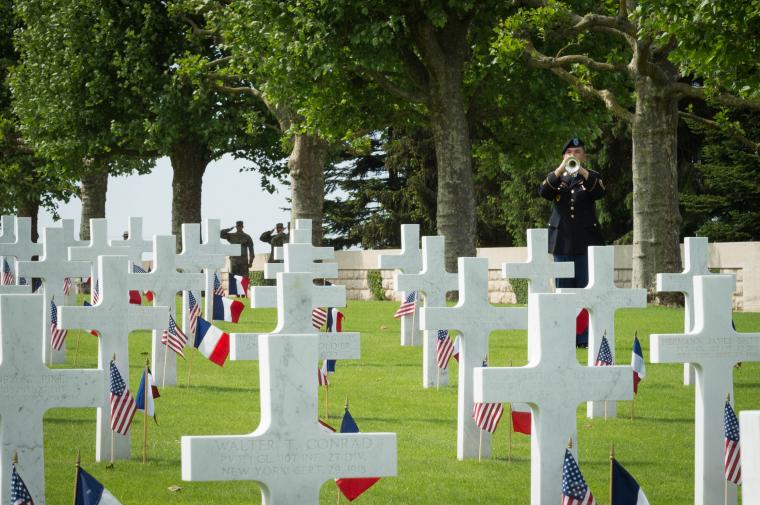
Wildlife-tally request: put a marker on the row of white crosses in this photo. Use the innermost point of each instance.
(290, 454)
(294, 312)
(408, 261)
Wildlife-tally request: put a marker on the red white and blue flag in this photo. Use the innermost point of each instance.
(575, 491)
(19, 493)
(444, 349)
(407, 306)
(66, 286)
(732, 453)
(455, 352)
(174, 338)
(625, 489)
(8, 278)
(637, 363)
(604, 358)
(91, 492)
(193, 312)
(353, 487)
(57, 335)
(521, 418)
(335, 320)
(123, 406)
(95, 295)
(212, 342)
(239, 285)
(218, 289)
(145, 394)
(322, 376)
(227, 310)
(318, 317)
(487, 415)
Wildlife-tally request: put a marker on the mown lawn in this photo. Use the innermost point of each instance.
(385, 393)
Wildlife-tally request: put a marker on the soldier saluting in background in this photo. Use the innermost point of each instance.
(239, 265)
(275, 238)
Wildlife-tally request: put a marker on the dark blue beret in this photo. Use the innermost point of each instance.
(573, 142)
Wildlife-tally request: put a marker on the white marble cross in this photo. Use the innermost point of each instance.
(54, 267)
(540, 268)
(602, 298)
(474, 318)
(15, 289)
(28, 389)
(70, 240)
(302, 235)
(17, 241)
(713, 347)
(749, 429)
(165, 282)
(294, 317)
(97, 246)
(289, 454)
(695, 263)
(553, 384)
(135, 244)
(114, 318)
(409, 261)
(434, 281)
(207, 256)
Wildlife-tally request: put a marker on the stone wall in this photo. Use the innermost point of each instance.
(739, 258)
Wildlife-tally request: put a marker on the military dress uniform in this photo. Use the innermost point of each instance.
(274, 240)
(239, 264)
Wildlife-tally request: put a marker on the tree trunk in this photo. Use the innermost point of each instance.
(31, 208)
(189, 160)
(656, 217)
(92, 192)
(307, 180)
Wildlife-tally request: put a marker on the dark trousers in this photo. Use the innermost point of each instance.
(579, 281)
(581, 271)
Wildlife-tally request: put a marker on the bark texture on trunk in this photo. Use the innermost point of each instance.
(189, 160)
(656, 217)
(31, 208)
(444, 52)
(307, 181)
(92, 192)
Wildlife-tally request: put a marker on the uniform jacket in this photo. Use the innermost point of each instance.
(246, 246)
(573, 225)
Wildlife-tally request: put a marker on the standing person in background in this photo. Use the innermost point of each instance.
(239, 265)
(573, 226)
(275, 238)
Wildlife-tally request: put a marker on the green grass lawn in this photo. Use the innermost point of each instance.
(385, 393)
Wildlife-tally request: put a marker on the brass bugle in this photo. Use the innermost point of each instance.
(572, 165)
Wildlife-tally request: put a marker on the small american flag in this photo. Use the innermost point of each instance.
(22, 281)
(487, 415)
(137, 269)
(408, 306)
(731, 432)
(19, 493)
(322, 376)
(174, 338)
(57, 336)
(574, 488)
(318, 317)
(95, 294)
(123, 406)
(67, 286)
(8, 278)
(444, 348)
(604, 358)
(193, 312)
(218, 289)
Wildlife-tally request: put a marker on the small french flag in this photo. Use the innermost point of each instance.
(212, 342)
(239, 285)
(521, 418)
(227, 310)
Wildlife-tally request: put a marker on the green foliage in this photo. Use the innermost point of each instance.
(375, 282)
(256, 278)
(725, 203)
(520, 289)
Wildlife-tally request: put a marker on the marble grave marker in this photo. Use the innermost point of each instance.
(289, 454)
(713, 347)
(540, 269)
(97, 246)
(434, 282)
(17, 242)
(114, 318)
(553, 383)
(409, 261)
(54, 267)
(602, 298)
(695, 263)
(28, 389)
(474, 318)
(165, 282)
